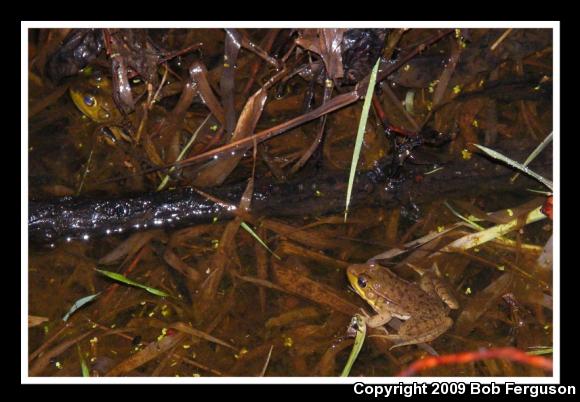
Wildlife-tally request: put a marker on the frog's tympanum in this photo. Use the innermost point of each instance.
(421, 305)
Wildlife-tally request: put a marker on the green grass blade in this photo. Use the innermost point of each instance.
(255, 236)
(535, 153)
(463, 218)
(182, 153)
(470, 221)
(358, 322)
(120, 278)
(360, 134)
(545, 350)
(79, 303)
(476, 239)
(517, 165)
(546, 193)
(84, 366)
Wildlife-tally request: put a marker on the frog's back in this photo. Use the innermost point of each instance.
(409, 298)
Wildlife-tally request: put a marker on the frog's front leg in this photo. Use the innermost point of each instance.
(379, 319)
(374, 322)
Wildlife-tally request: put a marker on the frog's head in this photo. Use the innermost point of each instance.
(92, 95)
(363, 278)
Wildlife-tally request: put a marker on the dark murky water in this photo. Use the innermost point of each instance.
(235, 308)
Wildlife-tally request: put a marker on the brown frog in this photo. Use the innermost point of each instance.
(421, 305)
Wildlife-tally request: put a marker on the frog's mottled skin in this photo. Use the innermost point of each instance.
(390, 296)
(93, 96)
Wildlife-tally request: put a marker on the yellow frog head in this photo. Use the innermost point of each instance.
(93, 97)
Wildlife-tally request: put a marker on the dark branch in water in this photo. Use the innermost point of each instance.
(310, 195)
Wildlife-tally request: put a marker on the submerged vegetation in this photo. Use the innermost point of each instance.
(187, 206)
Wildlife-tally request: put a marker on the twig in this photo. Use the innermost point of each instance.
(501, 39)
(509, 353)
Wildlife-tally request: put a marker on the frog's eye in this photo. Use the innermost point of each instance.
(362, 281)
(89, 100)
